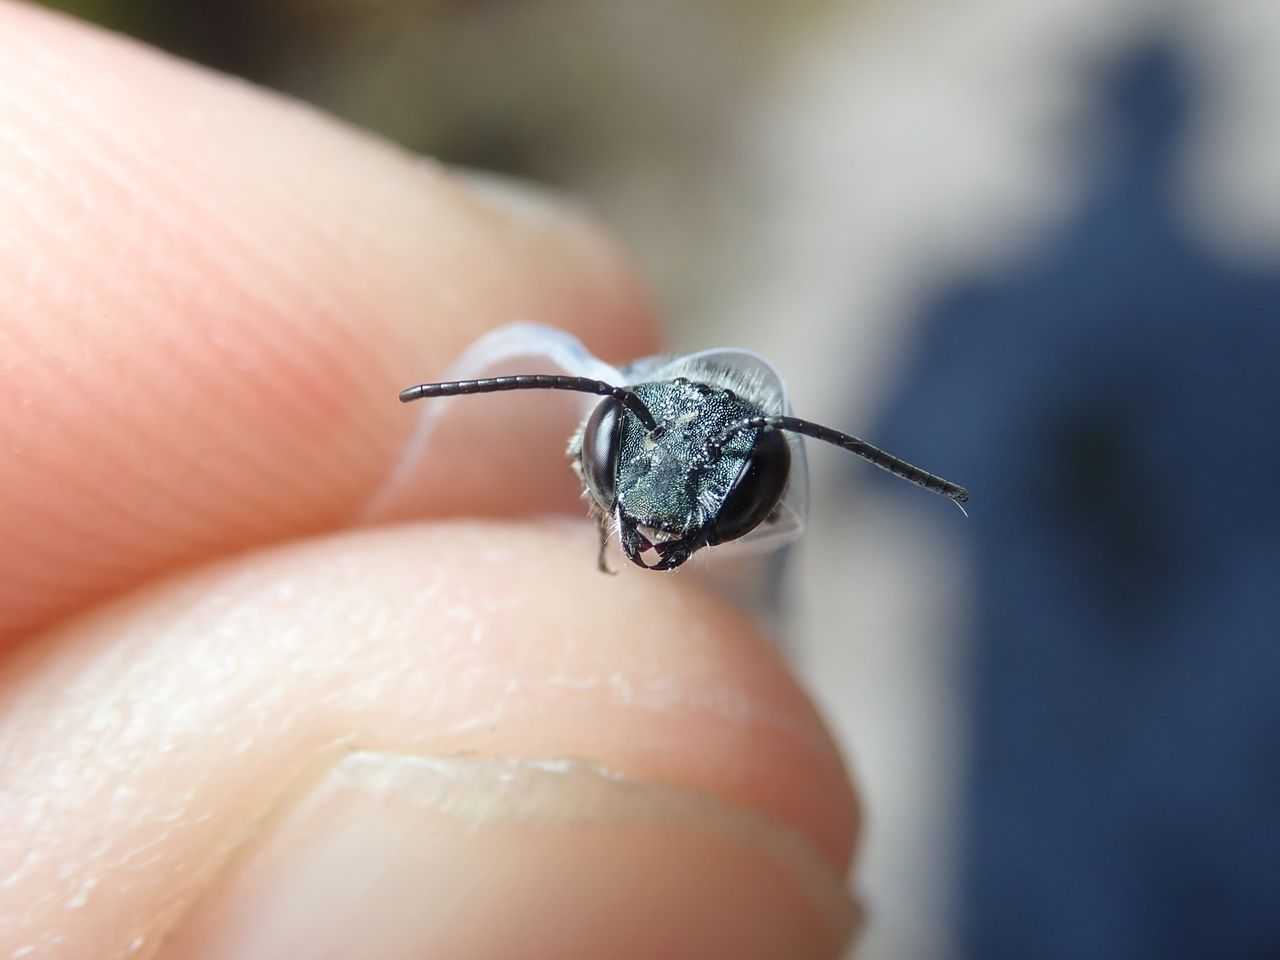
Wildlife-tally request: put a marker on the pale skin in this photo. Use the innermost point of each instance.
(209, 595)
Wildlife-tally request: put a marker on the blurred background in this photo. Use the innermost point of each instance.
(1034, 247)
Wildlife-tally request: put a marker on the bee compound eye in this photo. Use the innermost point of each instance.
(600, 442)
(757, 490)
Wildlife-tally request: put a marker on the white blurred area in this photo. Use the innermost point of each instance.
(901, 146)
(800, 180)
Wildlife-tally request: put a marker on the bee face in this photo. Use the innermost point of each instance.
(670, 489)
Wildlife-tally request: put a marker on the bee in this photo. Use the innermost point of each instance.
(680, 453)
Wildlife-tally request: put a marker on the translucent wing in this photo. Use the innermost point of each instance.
(753, 377)
(553, 351)
(535, 427)
(527, 348)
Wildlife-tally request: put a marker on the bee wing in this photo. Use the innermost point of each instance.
(754, 378)
(526, 348)
(551, 350)
(538, 426)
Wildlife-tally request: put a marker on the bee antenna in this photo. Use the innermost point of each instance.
(533, 381)
(872, 454)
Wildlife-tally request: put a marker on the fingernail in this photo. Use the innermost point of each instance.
(392, 857)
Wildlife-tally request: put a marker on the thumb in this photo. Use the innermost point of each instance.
(357, 747)
(394, 858)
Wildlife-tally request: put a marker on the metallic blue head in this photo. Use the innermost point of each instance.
(672, 489)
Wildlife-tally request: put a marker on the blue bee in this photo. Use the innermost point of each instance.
(682, 452)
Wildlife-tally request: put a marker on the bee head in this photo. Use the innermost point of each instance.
(673, 489)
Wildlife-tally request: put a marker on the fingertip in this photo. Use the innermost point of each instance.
(447, 641)
(214, 296)
(479, 857)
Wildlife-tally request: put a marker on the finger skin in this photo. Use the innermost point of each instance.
(137, 745)
(211, 297)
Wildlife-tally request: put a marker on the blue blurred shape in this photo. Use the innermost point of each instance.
(1113, 404)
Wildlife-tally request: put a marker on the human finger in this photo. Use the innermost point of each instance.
(357, 747)
(211, 297)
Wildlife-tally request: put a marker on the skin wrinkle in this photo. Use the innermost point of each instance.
(316, 392)
(361, 434)
(660, 697)
(234, 846)
(52, 519)
(640, 804)
(779, 842)
(258, 252)
(650, 698)
(267, 299)
(42, 173)
(107, 505)
(237, 846)
(278, 301)
(229, 686)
